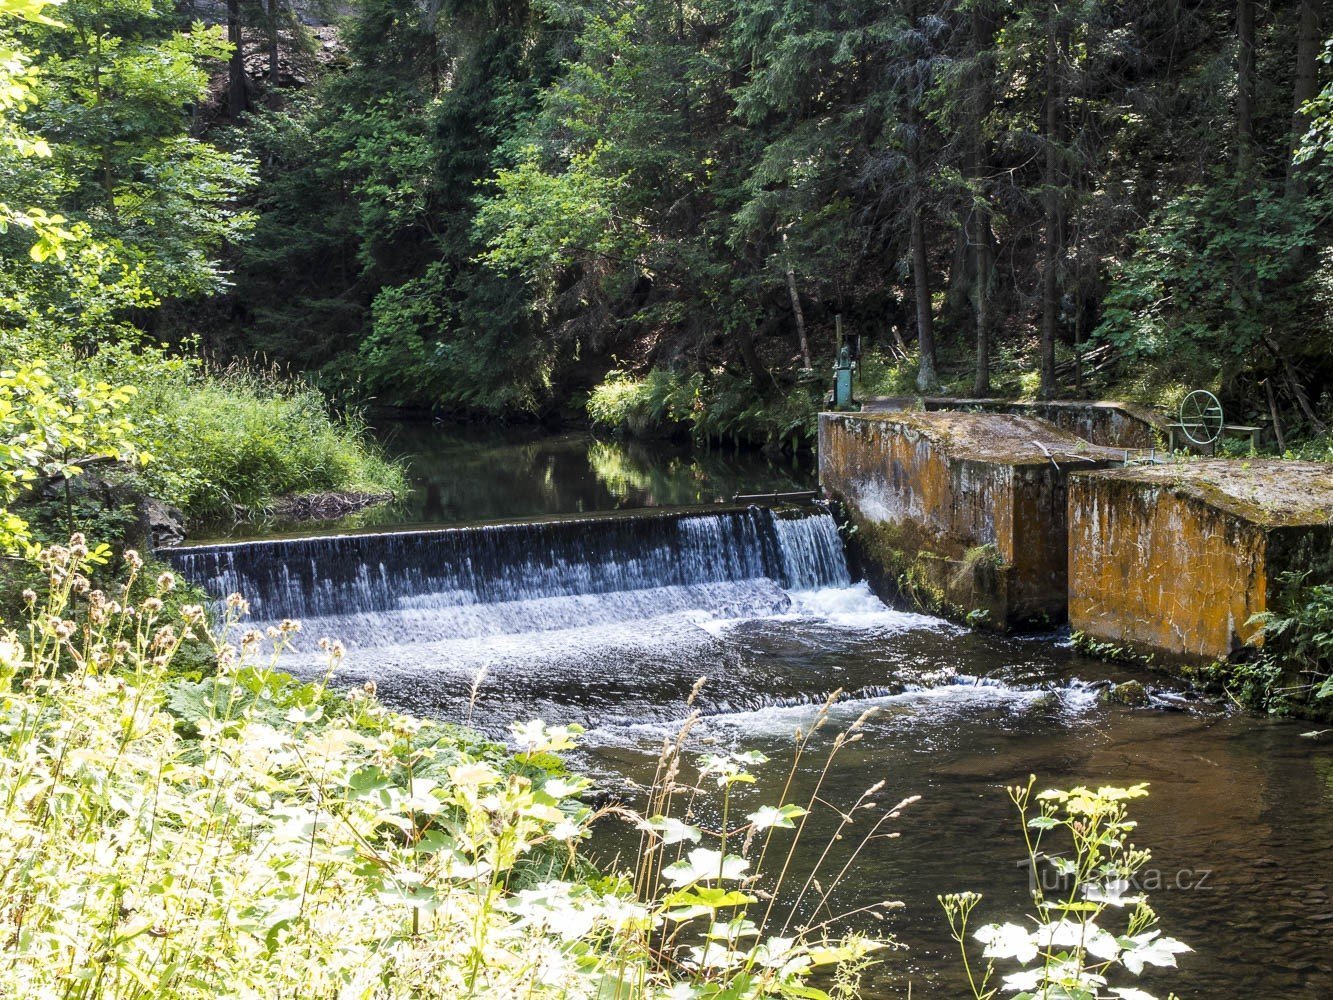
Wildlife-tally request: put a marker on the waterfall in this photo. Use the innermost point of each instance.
(380, 589)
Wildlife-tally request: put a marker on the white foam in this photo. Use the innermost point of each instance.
(851, 607)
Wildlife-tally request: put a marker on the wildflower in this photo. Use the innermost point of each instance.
(133, 560)
(30, 597)
(193, 613)
(11, 653)
(152, 605)
(166, 581)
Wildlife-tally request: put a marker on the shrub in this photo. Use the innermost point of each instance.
(718, 407)
(1294, 665)
(241, 439)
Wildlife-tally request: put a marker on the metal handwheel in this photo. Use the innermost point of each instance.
(1201, 417)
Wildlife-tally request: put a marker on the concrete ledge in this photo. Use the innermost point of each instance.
(962, 513)
(1176, 559)
(1108, 423)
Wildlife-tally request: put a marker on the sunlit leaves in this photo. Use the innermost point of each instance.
(1074, 954)
(767, 817)
(705, 865)
(49, 429)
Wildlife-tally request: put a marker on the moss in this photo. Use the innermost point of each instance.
(1267, 492)
(1131, 693)
(999, 438)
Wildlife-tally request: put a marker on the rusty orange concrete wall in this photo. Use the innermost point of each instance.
(896, 475)
(1157, 571)
(907, 494)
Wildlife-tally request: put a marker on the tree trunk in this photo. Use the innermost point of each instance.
(926, 379)
(1051, 258)
(796, 310)
(273, 61)
(983, 248)
(980, 236)
(237, 102)
(1308, 40)
(1245, 93)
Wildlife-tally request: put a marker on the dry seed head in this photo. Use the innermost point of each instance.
(133, 560)
(694, 691)
(30, 597)
(862, 719)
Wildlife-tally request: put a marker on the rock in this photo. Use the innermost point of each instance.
(160, 522)
(1130, 693)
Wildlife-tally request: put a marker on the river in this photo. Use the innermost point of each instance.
(608, 619)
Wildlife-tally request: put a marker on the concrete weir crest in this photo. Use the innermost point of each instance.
(1009, 522)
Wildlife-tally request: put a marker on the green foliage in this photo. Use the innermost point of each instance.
(486, 207)
(116, 78)
(1186, 303)
(709, 409)
(1294, 665)
(216, 444)
(228, 443)
(1096, 873)
(50, 430)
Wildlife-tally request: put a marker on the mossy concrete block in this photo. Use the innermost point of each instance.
(1178, 559)
(963, 513)
(1104, 422)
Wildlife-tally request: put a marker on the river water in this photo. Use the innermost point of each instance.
(608, 620)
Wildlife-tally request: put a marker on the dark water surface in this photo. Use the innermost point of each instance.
(609, 622)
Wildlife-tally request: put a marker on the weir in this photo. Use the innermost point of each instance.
(505, 578)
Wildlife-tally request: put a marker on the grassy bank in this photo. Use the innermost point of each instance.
(218, 444)
(231, 442)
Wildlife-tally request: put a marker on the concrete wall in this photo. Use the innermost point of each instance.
(1110, 424)
(963, 513)
(1176, 560)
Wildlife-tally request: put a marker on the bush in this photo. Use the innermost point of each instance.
(1294, 667)
(240, 439)
(714, 408)
(209, 441)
